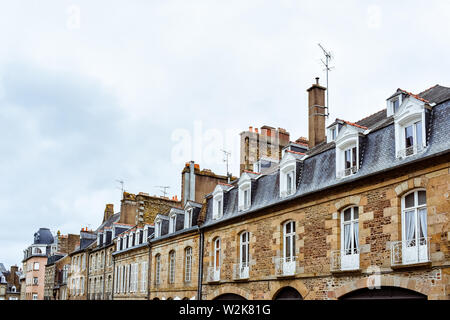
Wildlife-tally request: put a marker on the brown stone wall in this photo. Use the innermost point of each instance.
(77, 274)
(180, 289)
(317, 221)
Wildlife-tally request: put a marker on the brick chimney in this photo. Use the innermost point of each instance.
(109, 211)
(316, 111)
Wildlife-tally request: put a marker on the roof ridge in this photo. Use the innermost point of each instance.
(414, 95)
(352, 124)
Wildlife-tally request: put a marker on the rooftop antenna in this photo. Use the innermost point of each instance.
(226, 154)
(122, 183)
(328, 57)
(163, 190)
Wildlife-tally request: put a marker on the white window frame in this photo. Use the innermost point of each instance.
(350, 258)
(158, 226)
(245, 196)
(172, 262)
(244, 258)
(347, 139)
(217, 255)
(287, 167)
(158, 269)
(188, 214)
(218, 205)
(172, 222)
(188, 264)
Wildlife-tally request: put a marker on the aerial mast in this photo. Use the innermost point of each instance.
(328, 57)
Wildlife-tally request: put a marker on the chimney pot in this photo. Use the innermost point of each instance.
(317, 80)
(250, 129)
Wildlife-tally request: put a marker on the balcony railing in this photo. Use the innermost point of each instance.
(241, 271)
(213, 274)
(403, 153)
(285, 266)
(347, 172)
(410, 251)
(346, 259)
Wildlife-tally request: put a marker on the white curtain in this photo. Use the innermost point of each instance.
(347, 239)
(423, 221)
(356, 232)
(410, 225)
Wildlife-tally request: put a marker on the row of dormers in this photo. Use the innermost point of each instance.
(410, 115)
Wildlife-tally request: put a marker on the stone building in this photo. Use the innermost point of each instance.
(175, 254)
(10, 283)
(35, 259)
(131, 261)
(75, 284)
(62, 269)
(362, 214)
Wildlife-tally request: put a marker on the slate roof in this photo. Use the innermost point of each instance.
(43, 236)
(318, 169)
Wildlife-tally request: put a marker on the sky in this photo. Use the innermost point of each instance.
(92, 92)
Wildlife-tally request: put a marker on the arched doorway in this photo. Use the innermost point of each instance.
(384, 293)
(288, 293)
(229, 296)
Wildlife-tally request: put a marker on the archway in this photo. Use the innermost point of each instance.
(288, 293)
(229, 296)
(384, 293)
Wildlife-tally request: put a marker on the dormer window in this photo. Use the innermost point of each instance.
(188, 218)
(409, 128)
(394, 103)
(145, 234)
(245, 193)
(157, 228)
(172, 223)
(218, 202)
(287, 176)
(347, 151)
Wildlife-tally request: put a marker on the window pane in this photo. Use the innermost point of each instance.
(347, 159)
(419, 133)
(355, 213)
(422, 197)
(409, 140)
(288, 227)
(288, 247)
(348, 214)
(409, 200)
(293, 226)
(354, 157)
(395, 103)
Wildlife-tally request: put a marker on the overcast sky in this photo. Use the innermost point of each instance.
(94, 91)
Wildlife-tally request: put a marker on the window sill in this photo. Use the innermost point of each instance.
(241, 279)
(345, 272)
(426, 264)
(286, 276)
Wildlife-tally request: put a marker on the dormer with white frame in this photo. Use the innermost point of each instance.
(334, 129)
(347, 149)
(161, 222)
(288, 173)
(218, 201)
(394, 102)
(410, 126)
(245, 190)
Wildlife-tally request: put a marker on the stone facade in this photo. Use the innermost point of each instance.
(185, 284)
(131, 273)
(78, 275)
(100, 272)
(317, 219)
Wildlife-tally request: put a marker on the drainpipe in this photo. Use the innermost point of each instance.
(148, 269)
(200, 266)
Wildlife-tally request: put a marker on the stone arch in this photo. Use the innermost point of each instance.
(348, 201)
(230, 289)
(409, 185)
(287, 293)
(296, 284)
(385, 281)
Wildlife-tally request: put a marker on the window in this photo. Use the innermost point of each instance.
(395, 104)
(217, 255)
(133, 241)
(157, 269)
(36, 266)
(218, 204)
(347, 160)
(144, 276)
(188, 218)
(245, 184)
(172, 223)
(158, 228)
(413, 138)
(35, 281)
(350, 238)
(289, 241)
(35, 296)
(188, 264)
(141, 236)
(414, 227)
(172, 267)
(244, 255)
(121, 243)
(287, 175)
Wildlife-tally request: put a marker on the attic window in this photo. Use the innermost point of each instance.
(188, 218)
(395, 104)
(347, 151)
(172, 223)
(157, 228)
(287, 177)
(218, 204)
(245, 196)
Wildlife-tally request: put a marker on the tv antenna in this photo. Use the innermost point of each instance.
(226, 154)
(328, 57)
(122, 183)
(163, 189)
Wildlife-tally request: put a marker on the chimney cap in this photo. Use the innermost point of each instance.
(317, 80)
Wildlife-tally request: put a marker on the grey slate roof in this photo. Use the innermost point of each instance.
(43, 236)
(318, 170)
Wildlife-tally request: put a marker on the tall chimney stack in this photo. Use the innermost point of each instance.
(316, 114)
